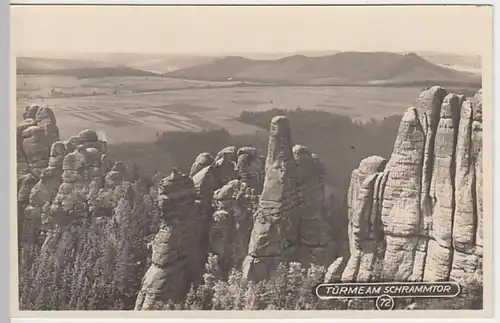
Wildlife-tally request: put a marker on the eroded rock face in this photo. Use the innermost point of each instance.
(228, 153)
(46, 119)
(35, 136)
(428, 197)
(316, 244)
(23, 163)
(28, 222)
(283, 230)
(202, 160)
(175, 247)
(60, 181)
(250, 167)
(274, 235)
(72, 143)
(365, 230)
(109, 194)
(36, 148)
(69, 206)
(41, 196)
(232, 224)
(206, 182)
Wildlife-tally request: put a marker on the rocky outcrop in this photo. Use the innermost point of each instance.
(206, 182)
(69, 205)
(232, 224)
(35, 136)
(365, 230)
(283, 230)
(316, 245)
(116, 191)
(250, 167)
(175, 247)
(202, 160)
(420, 217)
(41, 196)
(46, 119)
(58, 178)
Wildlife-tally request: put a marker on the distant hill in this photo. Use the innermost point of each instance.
(157, 63)
(35, 65)
(75, 67)
(105, 72)
(105, 64)
(343, 68)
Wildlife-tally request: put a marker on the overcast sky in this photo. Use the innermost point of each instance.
(214, 30)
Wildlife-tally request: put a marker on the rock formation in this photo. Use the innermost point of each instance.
(42, 194)
(365, 228)
(107, 190)
(175, 247)
(69, 205)
(206, 182)
(283, 230)
(35, 136)
(46, 119)
(232, 223)
(419, 217)
(250, 167)
(202, 160)
(56, 179)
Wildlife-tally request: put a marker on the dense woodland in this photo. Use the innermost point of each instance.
(99, 267)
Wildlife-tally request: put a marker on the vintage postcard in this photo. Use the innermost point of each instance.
(252, 161)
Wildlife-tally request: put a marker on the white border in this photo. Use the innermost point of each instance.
(4, 143)
(255, 2)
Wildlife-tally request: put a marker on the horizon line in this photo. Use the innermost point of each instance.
(236, 53)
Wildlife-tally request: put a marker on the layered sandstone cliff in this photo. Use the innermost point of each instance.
(418, 216)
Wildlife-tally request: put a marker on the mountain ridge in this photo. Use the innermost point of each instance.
(339, 68)
(354, 68)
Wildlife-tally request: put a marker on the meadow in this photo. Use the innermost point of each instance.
(137, 109)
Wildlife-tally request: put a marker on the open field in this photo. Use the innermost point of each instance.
(129, 116)
(40, 86)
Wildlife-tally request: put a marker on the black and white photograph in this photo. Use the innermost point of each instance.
(253, 158)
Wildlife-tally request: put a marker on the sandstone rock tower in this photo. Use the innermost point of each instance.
(292, 184)
(175, 246)
(419, 217)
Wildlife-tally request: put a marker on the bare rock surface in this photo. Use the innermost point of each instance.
(250, 167)
(202, 160)
(35, 136)
(283, 230)
(175, 247)
(419, 217)
(232, 224)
